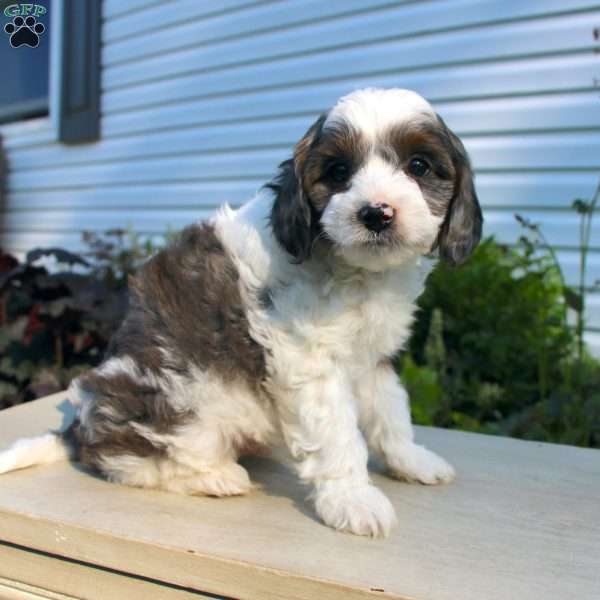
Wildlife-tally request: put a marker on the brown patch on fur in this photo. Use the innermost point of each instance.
(131, 339)
(338, 143)
(425, 140)
(304, 186)
(120, 401)
(186, 300)
(117, 442)
(185, 311)
(251, 447)
(448, 188)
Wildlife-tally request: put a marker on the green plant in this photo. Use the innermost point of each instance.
(575, 297)
(492, 349)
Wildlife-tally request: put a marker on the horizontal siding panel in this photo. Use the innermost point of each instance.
(278, 132)
(577, 110)
(508, 191)
(526, 76)
(592, 340)
(593, 311)
(251, 19)
(327, 25)
(225, 167)
(569, 260)
(543, 151)
(165, 14)
(512, 152)
(136, 197)
(32, 132)
(143, 221)
(534, 190)
(113, 9)
(573, 111)
(487, 43)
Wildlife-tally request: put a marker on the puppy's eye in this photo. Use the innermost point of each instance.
(339, 172)
(418, 167)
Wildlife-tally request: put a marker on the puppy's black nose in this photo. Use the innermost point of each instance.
(376, 217)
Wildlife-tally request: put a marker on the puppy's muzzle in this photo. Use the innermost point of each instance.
(376, 217)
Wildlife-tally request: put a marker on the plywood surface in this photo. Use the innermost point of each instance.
(521, 521)
(44, 576)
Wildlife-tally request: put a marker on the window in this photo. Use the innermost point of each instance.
(25, 59)
(69, 66)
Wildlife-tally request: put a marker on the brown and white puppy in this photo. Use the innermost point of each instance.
(278, 321)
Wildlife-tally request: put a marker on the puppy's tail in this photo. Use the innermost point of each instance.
(27, 452)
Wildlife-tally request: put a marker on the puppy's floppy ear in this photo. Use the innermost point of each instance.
(293, 218)
(461, 230)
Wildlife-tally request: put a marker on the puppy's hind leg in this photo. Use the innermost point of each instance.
(201, 459)
(175, 434)
(226, 479)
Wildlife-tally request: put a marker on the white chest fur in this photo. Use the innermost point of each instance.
(350, 316)
(321, 314)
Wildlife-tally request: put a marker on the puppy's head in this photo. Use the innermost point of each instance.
(381, 179)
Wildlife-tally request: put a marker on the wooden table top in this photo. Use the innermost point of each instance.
(522, 520)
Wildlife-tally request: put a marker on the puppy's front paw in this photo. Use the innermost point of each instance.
(416, 463)
(360, 509)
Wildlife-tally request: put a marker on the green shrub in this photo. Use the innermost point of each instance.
(491, 351)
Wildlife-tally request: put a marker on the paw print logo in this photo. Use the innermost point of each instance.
(24, 32)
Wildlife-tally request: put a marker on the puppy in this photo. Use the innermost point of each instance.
(279, 321)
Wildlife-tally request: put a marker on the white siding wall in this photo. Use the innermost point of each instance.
(202, 99)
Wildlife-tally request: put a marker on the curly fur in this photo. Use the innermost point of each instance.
(277, 322)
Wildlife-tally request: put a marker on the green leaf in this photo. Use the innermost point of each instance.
(12, 332)
(573, 299)
(581, 206)
(424, 391)
(62, 256)
(21, 371)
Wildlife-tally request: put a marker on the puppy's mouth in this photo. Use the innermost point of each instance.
(358, 236)
(381, 239)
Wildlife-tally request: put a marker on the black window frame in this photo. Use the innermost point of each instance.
(79, 95)
(19, 111)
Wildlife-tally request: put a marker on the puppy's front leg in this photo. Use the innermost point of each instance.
(385, 420)
(319, 424)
